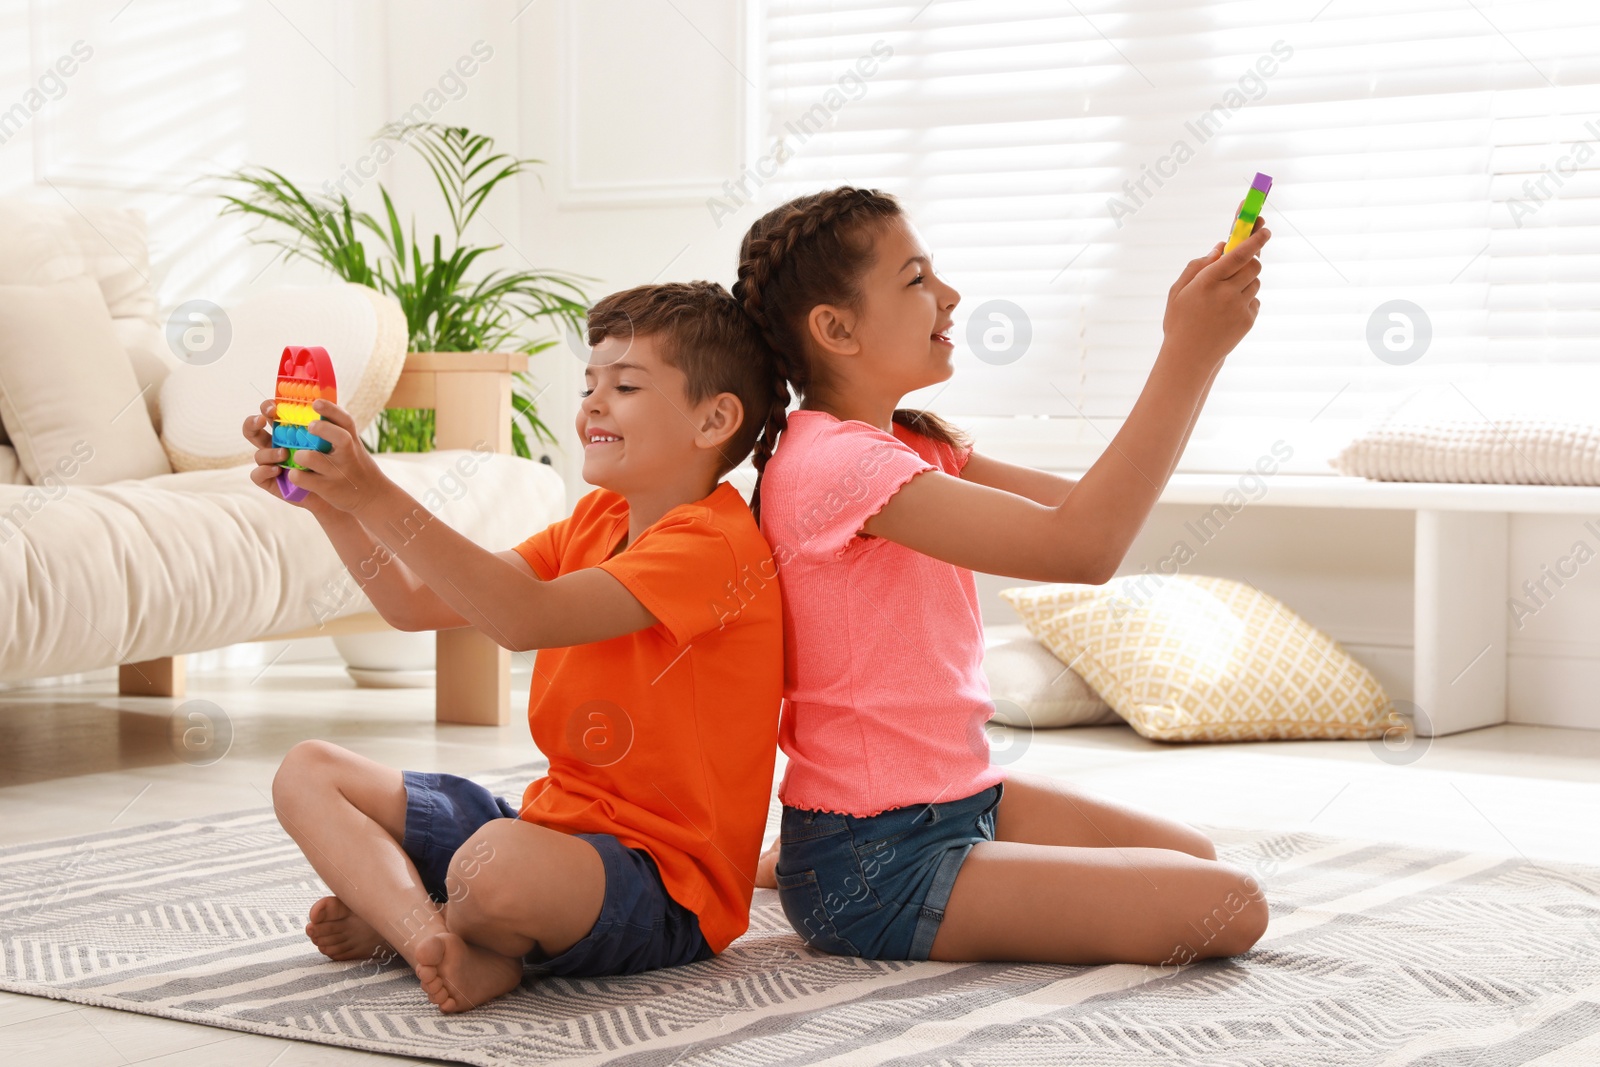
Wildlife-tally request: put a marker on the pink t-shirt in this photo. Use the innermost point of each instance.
(885, 697)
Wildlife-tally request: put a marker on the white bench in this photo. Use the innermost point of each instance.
(1461, 572)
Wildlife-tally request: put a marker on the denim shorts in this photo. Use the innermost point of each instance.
(640, 926)
(876, 886)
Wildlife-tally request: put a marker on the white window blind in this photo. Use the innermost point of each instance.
(1072, 157)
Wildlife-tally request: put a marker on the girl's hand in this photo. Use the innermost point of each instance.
(347, 478)
(1213, 303)
(258, 431)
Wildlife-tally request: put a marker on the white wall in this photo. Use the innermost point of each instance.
(643, 112)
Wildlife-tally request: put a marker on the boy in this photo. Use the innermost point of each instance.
(655, 696)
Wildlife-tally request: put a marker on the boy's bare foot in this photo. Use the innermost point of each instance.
(767, 868)
(341, 934)
(459, 977)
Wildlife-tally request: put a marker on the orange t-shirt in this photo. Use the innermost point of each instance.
(667, 737)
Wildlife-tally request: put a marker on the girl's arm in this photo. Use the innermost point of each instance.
(1039, 486)
(1085, 536)
(1043, 487)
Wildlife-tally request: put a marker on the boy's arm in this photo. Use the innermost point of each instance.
(495, 592)
(502, 598)
(403, 599)
(435, 578)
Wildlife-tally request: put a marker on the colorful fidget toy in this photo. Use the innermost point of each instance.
(304, 375)
(1248, 211)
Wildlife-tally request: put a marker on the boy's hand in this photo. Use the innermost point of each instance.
(258, 431)
(1213, 303)
(347, 477)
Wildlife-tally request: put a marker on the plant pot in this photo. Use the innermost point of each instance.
(388, 659)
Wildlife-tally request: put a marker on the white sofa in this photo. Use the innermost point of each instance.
(140, 571)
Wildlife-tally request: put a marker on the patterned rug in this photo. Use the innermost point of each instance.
(1377, 954)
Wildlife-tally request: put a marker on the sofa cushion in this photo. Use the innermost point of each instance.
(98, 575)
(11, 472)
(1205, 659)
(204, 405)
(115, 251)
(68, 394)
(50, 241)
(40, 248)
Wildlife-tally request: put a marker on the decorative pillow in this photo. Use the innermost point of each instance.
(51, 241)
(204, 404)
(11, 472)
(1205, 659)
(1515, 451)
(68, 395)
(40, 248)
(116, 254)
(1031, 688)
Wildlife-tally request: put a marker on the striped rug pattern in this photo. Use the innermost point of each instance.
(1377, 954)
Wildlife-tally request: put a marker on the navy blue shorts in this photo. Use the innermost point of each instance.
(640, 926)
(876, 886)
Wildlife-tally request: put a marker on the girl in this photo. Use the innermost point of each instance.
(900, 840)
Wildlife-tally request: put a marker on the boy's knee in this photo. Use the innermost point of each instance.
(475, 884)
(304, 765)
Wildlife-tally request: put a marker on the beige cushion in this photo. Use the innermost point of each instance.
(1204, 659)
(204, 405)
(116, 254)
(40, 247)
(11, 472)
(1031, 688)
(1511, 451)
(68, 394)
(49, 241)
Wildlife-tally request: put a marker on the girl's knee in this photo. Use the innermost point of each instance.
(1196, 844)
(1247, 914)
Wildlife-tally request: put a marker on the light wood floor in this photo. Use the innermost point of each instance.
(79, 759)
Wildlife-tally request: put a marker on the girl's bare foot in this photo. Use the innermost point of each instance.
(341, 934)
(767, 868)
(459, 977)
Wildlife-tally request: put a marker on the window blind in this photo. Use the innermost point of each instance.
(1071, 158)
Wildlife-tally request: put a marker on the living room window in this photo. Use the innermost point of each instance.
(1071, 158)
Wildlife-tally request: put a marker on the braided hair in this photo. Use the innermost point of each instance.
(812, 250)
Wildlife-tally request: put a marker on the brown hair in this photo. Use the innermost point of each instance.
(813, 250)
(704, 333)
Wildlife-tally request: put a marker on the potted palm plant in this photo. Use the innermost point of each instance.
(452, 303)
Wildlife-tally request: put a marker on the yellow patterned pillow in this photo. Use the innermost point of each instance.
(1204, 659)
